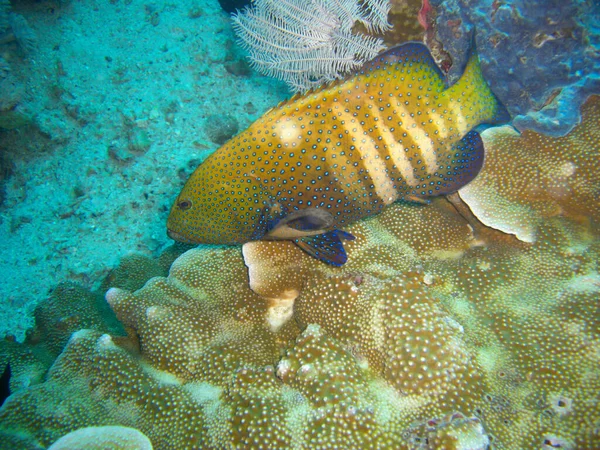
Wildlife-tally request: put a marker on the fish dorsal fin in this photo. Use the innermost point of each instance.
(292, 99)
(405, 53)
(304, 222)
(327, 247)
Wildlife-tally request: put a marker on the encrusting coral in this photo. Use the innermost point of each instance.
(530, 177)
(435, 334)
(439, 332)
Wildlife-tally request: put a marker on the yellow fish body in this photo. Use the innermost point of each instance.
(320, 161)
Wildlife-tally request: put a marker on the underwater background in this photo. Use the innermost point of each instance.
(470, 324)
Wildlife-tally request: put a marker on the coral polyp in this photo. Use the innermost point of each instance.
(438, 333)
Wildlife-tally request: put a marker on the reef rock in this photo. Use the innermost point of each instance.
(540, 58)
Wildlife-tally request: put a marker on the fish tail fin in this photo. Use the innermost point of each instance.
(476, 95)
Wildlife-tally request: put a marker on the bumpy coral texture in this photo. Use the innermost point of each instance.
(439, 332)
(436, 334)
(528, 178)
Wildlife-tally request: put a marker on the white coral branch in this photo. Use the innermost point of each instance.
(306, 43)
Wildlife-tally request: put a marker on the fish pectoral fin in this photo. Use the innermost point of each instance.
(327, 247)
(309, 219)
(305, 222)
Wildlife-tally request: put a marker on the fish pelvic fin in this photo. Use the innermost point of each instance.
(327, 247)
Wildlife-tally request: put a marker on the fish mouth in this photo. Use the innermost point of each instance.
(178, 237)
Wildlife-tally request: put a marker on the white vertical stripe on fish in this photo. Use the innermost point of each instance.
(395, 152)
(372, 161)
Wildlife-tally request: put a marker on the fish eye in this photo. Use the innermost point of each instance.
(184, 204)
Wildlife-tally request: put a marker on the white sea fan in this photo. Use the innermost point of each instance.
(308, 42)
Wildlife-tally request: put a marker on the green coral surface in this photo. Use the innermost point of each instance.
(439, 332)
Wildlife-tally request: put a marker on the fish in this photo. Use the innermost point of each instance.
(322, 160)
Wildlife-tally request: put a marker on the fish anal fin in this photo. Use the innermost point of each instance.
(327, 247)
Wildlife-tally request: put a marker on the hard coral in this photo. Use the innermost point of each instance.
(70, 308)
(95, 382)
(103, 438)
(132, 273)
(340, 399)
(528, 178)
(437, 333)
(27, 364)
(401, 332)
(196, 326)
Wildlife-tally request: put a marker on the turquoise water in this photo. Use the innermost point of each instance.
(116, 97)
